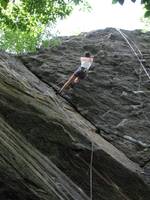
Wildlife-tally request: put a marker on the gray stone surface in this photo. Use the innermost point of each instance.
(116, 96)
(49, 147)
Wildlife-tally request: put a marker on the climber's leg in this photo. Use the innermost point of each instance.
(76, 80)
(67, 84)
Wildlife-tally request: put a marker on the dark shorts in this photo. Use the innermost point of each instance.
(80, 73)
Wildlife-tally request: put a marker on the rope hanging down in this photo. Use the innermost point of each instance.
(125, 38)
(91, 174)
(133, 44)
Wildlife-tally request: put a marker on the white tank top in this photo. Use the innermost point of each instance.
(86, 62)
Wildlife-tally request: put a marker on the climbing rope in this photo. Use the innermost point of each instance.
(126, 38)
(91, 173)
(133, 50)
(133, 44)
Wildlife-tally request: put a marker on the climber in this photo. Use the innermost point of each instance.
(80, 73)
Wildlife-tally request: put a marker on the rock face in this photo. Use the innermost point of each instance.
(96, 146)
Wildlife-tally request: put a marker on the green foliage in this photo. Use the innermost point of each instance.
(23, 21)
(4, 3)
(122, 1)
(26, 14)
(18, 41)
(114, 1)
(147, 8)
(145, 2)
(118, 1)
(147, 13)
(55, 42)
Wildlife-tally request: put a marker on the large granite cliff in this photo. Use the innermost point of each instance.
(94, 145)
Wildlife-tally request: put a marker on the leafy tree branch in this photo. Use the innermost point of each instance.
(23, 21)
(146, 4)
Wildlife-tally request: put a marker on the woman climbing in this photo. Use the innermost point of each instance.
(80, 73)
